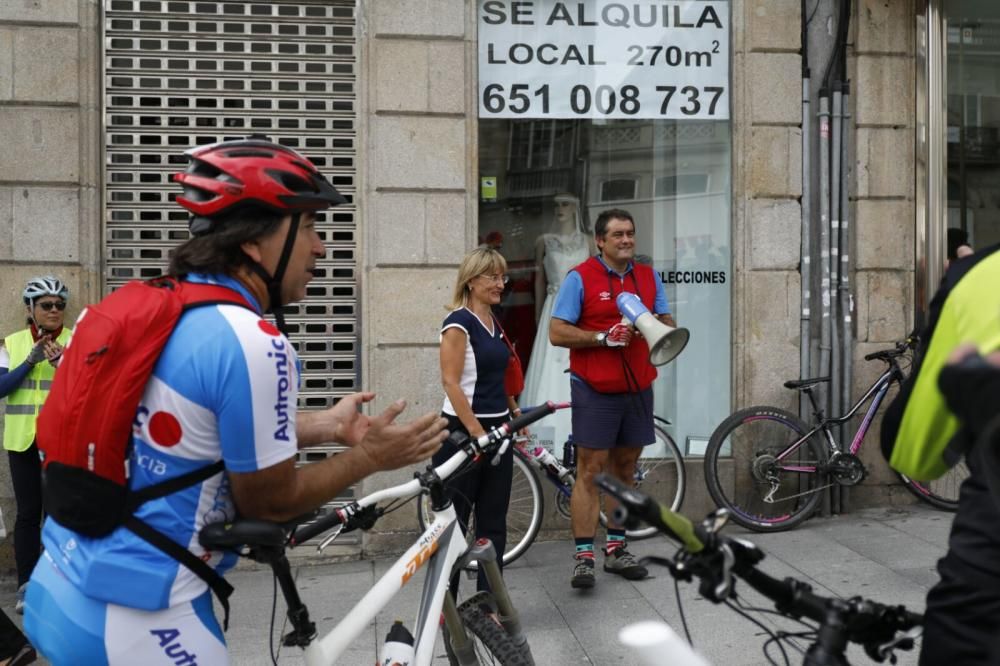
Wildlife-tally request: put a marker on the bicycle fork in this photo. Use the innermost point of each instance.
(486, 555)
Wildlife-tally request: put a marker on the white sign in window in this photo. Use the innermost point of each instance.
(652, 59)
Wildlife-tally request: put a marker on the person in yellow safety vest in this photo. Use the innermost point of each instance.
(28, 360)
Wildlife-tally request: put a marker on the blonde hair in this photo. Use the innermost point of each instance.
(481, 261)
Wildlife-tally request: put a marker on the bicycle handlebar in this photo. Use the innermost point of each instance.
(899, 349)
(713, 558)
(485, 445)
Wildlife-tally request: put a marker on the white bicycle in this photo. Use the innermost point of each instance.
(471, 634)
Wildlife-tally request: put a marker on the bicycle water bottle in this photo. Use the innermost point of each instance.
(569, 452)
(398, 649)
(546, 460)
(656, 643)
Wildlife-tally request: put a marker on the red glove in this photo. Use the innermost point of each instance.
(619, 335)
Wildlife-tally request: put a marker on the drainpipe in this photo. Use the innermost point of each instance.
(843, 285)
(805, 268)
(824, 234)
(824, 252)
(835, 213)
(836, 363)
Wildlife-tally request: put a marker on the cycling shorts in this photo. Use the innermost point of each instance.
(67, 627)
(611, 420)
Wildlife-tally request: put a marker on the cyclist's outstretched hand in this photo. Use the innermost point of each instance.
(389, 445)
(351, 425)
(970, 384)
(343, 423)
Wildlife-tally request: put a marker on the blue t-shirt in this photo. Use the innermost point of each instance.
(486, 358)
(569, 299)
(225, 387)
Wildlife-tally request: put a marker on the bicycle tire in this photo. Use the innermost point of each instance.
(943, 492)
(492, 644)
(669, 485)
(760, 434)
(524, 513)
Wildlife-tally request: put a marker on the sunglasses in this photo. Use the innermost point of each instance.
(48, 305)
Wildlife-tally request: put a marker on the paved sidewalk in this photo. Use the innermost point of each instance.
(886, 554)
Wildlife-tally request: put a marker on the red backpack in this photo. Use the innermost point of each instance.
(84, 429)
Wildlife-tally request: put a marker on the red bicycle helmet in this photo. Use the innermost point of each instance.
(223, 177)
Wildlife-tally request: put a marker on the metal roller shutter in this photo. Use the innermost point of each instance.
(182, 73)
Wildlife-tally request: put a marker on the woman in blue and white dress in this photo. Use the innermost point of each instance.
(474, 357)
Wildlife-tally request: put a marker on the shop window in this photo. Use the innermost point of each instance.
(619, 189)
(577, 116)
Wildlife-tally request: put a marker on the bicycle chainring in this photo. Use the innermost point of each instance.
(847, 469)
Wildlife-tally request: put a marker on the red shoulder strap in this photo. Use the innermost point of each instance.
(503, 334)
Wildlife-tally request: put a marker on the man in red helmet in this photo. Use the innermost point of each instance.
(224, 388)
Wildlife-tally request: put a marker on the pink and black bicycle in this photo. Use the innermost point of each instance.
(769, 468)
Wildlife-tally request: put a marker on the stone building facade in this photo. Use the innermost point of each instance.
(416, 183)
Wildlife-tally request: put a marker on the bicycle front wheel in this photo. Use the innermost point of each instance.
(942, 492)
(491, 643)
(744, 474)
(524, 513)
(661, 476)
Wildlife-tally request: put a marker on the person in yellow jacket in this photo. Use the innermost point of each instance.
(28, 360)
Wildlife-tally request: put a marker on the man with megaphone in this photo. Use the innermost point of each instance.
(611, 379)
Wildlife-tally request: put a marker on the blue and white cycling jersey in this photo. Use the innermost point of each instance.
(225, 386)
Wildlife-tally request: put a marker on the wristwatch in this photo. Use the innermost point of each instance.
(601, 338)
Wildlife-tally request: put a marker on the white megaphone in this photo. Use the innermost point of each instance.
(665, 342)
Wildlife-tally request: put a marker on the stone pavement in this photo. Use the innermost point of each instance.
(887, 554)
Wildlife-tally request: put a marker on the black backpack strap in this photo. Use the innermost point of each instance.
(220, 587)
(171, 486)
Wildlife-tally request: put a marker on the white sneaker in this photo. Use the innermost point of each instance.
(19, 606)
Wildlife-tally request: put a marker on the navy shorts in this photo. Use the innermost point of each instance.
(609, 420)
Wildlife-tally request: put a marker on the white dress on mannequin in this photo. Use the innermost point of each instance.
(546, 378)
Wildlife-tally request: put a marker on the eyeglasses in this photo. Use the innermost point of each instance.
(48, 305)
(501, 279)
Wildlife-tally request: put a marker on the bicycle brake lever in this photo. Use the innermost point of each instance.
(334, 533)
(675, 571)
(904, 641)
(504, 445)
(725, 584)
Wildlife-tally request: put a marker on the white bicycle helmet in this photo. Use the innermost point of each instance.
(45, 285)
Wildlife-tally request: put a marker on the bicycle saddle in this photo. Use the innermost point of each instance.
(803, 383)
(225, 536)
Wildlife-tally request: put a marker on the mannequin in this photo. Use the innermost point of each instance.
(564, 246)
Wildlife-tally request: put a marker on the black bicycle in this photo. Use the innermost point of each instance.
(717, 561)
(768, 467)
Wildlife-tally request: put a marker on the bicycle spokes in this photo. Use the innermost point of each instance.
(766, 490)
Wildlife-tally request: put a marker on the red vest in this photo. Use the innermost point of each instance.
(602, 367)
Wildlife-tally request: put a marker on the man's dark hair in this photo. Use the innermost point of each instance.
(601, 226)
(219, 251)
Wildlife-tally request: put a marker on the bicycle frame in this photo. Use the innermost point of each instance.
(876, 393)
(436, 600)
(427, 550)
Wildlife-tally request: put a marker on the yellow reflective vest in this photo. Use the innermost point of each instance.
(24, 402)
(971, 313)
